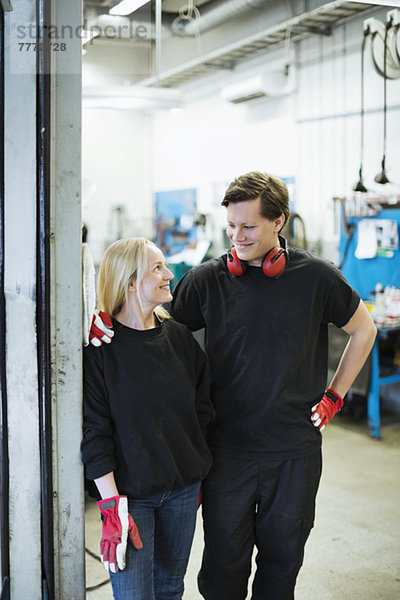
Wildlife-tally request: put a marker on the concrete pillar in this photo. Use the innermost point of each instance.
(64, 281)
(66, 240)
(20, 293)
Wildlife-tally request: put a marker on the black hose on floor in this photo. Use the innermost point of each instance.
(98, 585)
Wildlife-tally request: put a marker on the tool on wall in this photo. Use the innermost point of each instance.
(391, 70)
(385, 53)
(394, 34)
(294, 231)
(346, 227)
(383, 57)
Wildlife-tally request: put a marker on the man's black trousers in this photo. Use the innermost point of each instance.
(267, 503)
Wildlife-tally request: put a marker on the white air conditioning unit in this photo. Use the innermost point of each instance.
(275, 83)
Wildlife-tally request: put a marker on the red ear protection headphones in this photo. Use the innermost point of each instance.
(272, 264)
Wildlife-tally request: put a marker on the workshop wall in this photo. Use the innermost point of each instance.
(117, 176)
(328, 126)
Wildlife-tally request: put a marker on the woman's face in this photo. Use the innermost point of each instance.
(154, 287)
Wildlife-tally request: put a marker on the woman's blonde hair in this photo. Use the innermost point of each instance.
(123, 262)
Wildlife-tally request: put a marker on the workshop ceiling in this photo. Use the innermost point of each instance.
(227, 32)
(168, 6)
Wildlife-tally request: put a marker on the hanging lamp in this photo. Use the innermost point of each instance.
(381, 177)
(359, 186)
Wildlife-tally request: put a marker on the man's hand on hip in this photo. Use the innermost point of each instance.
(323, 412)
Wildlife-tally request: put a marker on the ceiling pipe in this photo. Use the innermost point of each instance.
(188, 23)
(220, 13)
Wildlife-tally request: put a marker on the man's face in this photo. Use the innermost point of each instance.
(251, 234)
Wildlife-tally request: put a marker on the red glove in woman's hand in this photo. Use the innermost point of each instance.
(117, 524)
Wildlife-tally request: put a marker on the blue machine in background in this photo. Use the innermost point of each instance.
(364, 274)
(178, 230)
(175, 216)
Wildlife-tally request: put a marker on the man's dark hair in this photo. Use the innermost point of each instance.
(272, 191)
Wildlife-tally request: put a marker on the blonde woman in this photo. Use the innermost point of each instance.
(146, 409)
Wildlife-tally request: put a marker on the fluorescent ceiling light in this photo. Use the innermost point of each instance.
(116, 103)
(126, 7)
(131, 97)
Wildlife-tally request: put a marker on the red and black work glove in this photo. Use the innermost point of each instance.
(117, 524)
(323, 412)
(101, 329)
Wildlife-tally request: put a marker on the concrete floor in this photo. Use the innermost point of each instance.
(354, 549)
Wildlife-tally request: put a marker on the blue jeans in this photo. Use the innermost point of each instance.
(166, 524)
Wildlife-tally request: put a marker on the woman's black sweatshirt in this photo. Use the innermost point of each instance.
(146, 409)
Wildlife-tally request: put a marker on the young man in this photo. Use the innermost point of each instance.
(266, 309)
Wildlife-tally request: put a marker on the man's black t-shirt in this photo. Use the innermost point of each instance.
(267, 344)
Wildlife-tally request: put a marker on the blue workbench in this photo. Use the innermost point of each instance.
(378, 378)
(363, 275)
